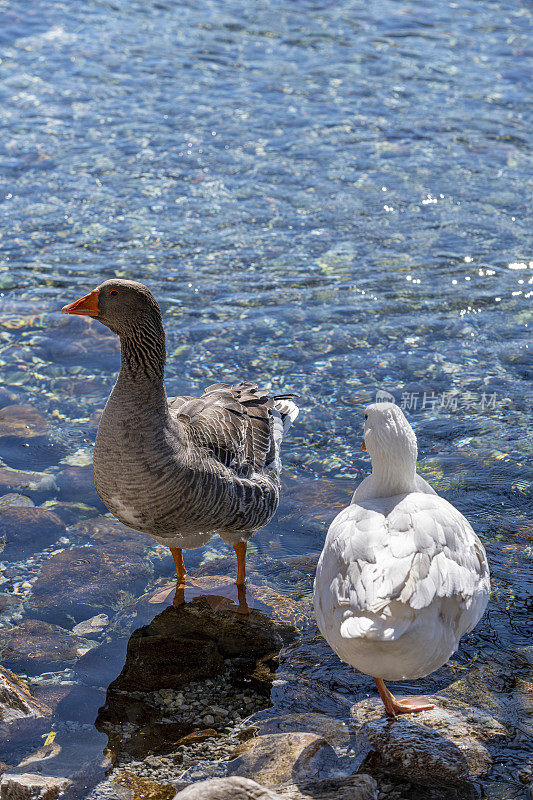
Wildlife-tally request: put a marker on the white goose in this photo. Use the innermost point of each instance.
(402, 575)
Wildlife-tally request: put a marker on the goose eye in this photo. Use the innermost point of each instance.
(113, 292)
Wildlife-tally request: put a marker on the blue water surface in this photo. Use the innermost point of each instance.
(325, 197)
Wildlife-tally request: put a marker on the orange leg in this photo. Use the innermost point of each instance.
(240, 549)
(181, 572)
(407, 706)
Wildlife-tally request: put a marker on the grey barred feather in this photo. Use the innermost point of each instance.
(184, 468)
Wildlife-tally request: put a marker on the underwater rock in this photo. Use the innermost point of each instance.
(445, 746)
(85, 581)
(15, 500)
(91, 626)
(22, 421)
(77, 484)
(76, 341)
(108, 531)
(24, 531)
(503, 686)
(23, 437)
(30, 786)
(34, 646)
(281, 758)
(14, 480)
(70, 513)
(315, 503)
(7, 398)
(9, 601)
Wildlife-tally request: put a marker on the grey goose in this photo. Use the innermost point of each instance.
(181, 468)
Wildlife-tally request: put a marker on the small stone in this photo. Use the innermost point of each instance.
(221, 712)
(153, 761)
(90, 626)
(208, 719)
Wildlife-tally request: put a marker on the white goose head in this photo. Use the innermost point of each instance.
(391, 444)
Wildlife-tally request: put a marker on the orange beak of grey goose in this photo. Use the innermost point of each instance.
(363, 445)
(87, 305)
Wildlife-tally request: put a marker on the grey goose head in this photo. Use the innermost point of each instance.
(123, 306)
(131, 311)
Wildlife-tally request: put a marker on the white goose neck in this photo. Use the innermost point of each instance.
(393, 475)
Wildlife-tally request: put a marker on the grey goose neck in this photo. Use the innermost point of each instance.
(143, 351)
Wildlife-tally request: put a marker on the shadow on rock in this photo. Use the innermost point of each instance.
(155, 702)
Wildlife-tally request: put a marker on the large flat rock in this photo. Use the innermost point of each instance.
(280, 758)
(31, 786)
(191, 641)
(357, 787)
(446, 746)
(226, 789)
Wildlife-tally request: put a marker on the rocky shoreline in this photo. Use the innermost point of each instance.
(201, 693)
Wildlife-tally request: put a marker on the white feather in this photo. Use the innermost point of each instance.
(400, 579)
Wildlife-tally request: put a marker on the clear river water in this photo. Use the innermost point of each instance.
(326, 197)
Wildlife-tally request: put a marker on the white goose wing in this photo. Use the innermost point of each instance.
(387, 558)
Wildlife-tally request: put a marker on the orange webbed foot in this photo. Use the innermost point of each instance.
(404, 705)
(409, 705)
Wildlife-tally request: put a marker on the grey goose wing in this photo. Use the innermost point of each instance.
(233, 423)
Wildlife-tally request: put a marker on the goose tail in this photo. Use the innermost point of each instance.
(287, 409)
(284, 413)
